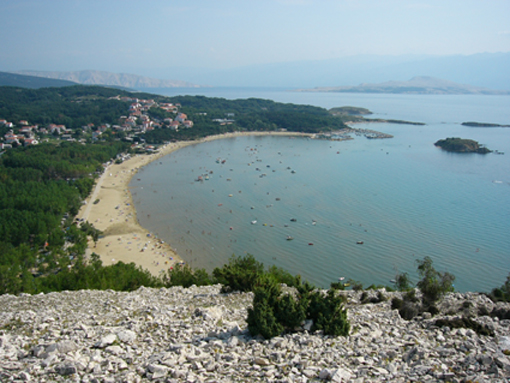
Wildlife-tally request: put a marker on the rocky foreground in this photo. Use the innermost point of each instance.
(199, 335)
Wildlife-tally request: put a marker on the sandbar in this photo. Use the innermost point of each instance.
(110, 209)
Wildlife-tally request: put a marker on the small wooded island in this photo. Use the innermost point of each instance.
(461, 145)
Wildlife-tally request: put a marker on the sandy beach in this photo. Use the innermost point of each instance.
(123, 238)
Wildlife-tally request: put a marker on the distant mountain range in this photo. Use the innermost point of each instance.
(417, 85)
(22, 81)
(93, 77)
(489, 70)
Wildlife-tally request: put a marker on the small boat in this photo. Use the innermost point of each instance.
(289, 238)
(293, 172)
(310, 244)
(254, 222)
(341, 278)
(359, 243)
(293, 220)
(230, 195)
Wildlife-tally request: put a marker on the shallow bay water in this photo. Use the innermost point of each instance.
(402, 197)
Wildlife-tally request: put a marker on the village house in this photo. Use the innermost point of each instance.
(96, 135)
(11, 138)
(181, 117)
(134, 107)
(30, 141)
(67, 137)
(26, 131)
(188, 124)
(131, 121)
(169, 107)
(57, 129)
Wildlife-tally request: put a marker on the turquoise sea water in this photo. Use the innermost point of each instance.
(403, 197)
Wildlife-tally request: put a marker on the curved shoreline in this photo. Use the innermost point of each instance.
(124, 239)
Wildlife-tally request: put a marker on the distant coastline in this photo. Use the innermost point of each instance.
(484, 125)
(416, 85)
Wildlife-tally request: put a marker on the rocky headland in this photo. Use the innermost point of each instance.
(199, 335)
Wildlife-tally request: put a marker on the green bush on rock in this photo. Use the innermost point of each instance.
(274, 312)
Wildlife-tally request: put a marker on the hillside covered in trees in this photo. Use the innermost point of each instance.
(77, 107)
(79, 128)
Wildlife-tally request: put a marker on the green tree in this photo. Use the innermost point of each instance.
(433, 284)
(402, 282)
(240, 274)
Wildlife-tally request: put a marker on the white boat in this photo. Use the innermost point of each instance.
(254, 222)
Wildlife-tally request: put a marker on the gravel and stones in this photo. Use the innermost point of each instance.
(199, 335)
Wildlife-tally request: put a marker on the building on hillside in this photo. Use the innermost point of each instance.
(30, 141)
(181, 117)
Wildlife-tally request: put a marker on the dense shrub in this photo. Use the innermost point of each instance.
(240, 274)
(184, 275)
(262, 317)
(328, 313)
(274, 313)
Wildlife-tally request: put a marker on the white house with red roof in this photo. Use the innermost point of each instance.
(30, 141)
(181, 117)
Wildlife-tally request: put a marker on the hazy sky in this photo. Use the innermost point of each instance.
(147, 36)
